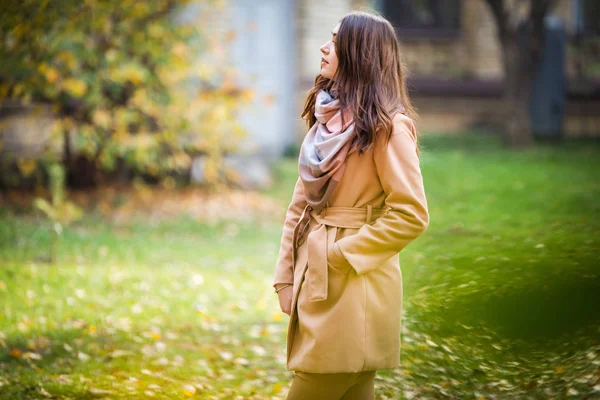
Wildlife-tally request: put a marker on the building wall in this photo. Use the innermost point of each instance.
(264, 54)
(256, 44)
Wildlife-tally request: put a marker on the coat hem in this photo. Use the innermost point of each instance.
(340, 371)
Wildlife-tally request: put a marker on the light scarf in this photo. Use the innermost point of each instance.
(324, 150)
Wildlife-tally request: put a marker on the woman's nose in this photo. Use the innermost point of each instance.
(324, 49)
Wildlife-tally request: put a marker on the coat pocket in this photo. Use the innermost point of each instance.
(336, 260)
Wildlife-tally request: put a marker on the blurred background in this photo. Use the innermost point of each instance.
(148, 153)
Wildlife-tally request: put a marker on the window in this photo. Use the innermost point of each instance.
(424, 18)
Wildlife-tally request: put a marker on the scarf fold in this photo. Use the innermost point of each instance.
(324, 150)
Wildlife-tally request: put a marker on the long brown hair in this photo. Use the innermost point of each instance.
(370, 78)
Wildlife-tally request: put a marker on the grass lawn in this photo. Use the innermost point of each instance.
(501, 292)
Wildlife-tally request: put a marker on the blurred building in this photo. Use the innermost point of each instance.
(454, 59)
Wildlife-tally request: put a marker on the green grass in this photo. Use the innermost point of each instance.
(501, 292)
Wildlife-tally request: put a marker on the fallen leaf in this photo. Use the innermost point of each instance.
(189, 390)
(16, 353)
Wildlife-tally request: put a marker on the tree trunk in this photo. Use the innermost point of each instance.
(81, 172)
(517, 92)
(519, 65)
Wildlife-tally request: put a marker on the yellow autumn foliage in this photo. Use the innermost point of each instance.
(74, 87)
(125, 91)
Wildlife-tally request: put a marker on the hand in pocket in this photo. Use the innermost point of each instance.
(336, 259)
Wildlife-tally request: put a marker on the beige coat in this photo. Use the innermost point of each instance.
(347, 283)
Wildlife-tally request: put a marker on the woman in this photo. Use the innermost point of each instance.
(358, 201)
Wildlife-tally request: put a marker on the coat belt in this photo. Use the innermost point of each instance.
(318, 239)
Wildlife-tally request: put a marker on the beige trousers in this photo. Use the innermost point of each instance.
(339, 386)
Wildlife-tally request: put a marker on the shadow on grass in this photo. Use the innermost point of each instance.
(533, 314)
(545, 312)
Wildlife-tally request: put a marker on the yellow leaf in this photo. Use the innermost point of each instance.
(277, 387)
(74, 86)
(179, 49)
(248, 95)
(51, 74)
(139, 9)
(101, 117)
(68, 58)
(26, 166)
(18, 88)
(16, 353)
(128, 72)
(155, 30)
(189, 390)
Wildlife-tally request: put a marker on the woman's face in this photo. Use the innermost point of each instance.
(329, 62)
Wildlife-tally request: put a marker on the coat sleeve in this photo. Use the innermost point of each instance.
(284, 268)
(399, 172)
